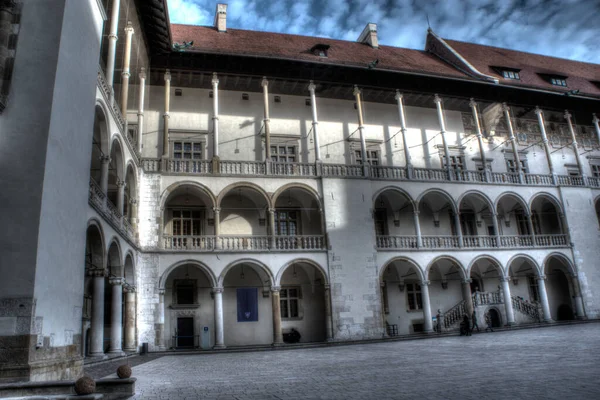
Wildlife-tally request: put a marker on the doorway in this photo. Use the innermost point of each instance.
(495, 317)
(185, 333)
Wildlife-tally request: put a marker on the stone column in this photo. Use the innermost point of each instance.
(215, 86)
(140, 114)
(544, 298)
(473, 105)
(129, 318)
(513, 142)
(277, 335)
(116, 316)
(577, 297)
(531, 229)
(574, 143)
(417, 225)
(217, 212)
(428, 326)
(467, 295)
(496, 229)
(121, 195)
(97, 330)
(272, 232)
(160, 325)
(112, 42)
(315, 122)
(409, 166)
(166, 117)
(125, 74)
(596, 123)
(540, 116)
(105, 164)
(267, 121)
(219, 334)
(510, 315)
(440, 113)
(328, 322)
(458, 229)
(361, 128)
(133, 217)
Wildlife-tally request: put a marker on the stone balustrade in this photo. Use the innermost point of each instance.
(440, 242)
(194, 243)
(243, 243)
(105, 208)
(304, 242)
(469, 242)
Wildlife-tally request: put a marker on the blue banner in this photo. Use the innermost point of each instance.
(247, 304)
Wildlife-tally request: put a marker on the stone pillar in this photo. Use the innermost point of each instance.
(315, 122)
(267, 121)
(116, 316)
(125, 74)
(277, 335)
(361, 128)
(217, 212)
(219, 334)
(531, 230)
(121, 195)
(97, 329)
(160, 325)
(272, 232)
(440, 113)
(473, 105)
(105, 164)
(574, 143)
(540, 116)
(140, 114)
(112, 42)
(513, 142)
(544, 298)
(215, 86)
(129, 318)
(577, 297)
(417, 225)
(458, 229)
(428, 326)
(467, 296)
(133, 214)
(166, 116)
(510, 315)
(328, 322)
(496, 229)
(596, 123)
(409, 166)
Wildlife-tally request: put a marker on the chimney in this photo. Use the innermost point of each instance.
(369, 36)
(221, 18)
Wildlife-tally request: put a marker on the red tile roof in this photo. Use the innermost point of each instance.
(579, 74)
(295, 47)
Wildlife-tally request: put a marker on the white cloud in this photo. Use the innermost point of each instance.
(189, 12)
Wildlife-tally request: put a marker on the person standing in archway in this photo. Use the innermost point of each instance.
(475, 324)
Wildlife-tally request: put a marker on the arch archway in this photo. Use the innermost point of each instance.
(477, 219)
(100, 148)
(95, 261)
(562, 288)
(116, 173)
(393, 214)
(547, 220)
(438, 220)
(514, 220)
(298, 219)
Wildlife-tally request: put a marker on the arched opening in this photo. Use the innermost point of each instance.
(115, 173)
(94, 261)
(547, 222)
(189, 308)
(298, 220)
(243, 220)
(129, 305)
(495, 317)
(247, 305)
(393, 216)
(129, 208)
(128, 270)
(514, 223)
(560, 288)
(486, 275)
(438, 221)
(446, 278)
(402, 298)
(477, 221)
(115, 270)
(302, 303)
(99, 144)
(188, 219)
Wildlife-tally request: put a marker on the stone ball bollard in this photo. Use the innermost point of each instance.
(85, 385)
(124, 371)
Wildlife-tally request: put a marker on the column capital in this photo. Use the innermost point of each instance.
(104, 159)
(504, 278)
(595, 118)
(142, 73)
(425, 283)
(217, 290)
(125, 74)
(356, 90)
(116, 281)
(472, 103)
(567, 115)
(127, 288)
(467, 280)
(96, 272)
(271, 210)
(264, 83)
(113, 36)
(275, 289)
(312, 87)
(215, 79)
(538, 111)
(121, 183)
(167, 76)
(161, 292)
(505, 107)
(541, 277)
(216, 210)
(437, 99)
(399, 96)
(129, 29)
(133, 201)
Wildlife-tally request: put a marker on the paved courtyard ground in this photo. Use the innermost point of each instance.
(561, 362)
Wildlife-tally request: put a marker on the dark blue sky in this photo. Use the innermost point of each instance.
(567, 28)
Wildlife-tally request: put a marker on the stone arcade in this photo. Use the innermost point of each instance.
(209, 187)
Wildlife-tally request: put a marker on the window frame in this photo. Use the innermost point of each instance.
(558, 81)
(511, 166)
(179, 221)
(190, 284)
(287, 220)
(413, 289)
(373, 157)
(288, 300)
(508, 74)
(193, 143)
(277, 155)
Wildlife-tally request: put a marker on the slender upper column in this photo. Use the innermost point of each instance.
(140, 113)
(272, 227)
(267, 121)
(217, 212)
(458, 229)
(473, 105)
(130, 307)
(544, 298)
(417, 225)
(97, 326)
(328, 322)
(277, 335)
(105, 164)
(363, 143)
(540, 116)
(596, 123)
(215, 86)
(112, 42)
(440, 113)
(166, 115)
(409, 166)
(426, 306)
(121, 195)
(513, 142)
(496, 229)
(219, 334)
(574, 143)
(510, 314)
(315, 122)
(467, 295)
(116, 314)
(125, 74)
(531, 229)
(133, 214)
(160, 326)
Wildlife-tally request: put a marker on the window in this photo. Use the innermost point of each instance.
(595, 170)
(380, 222)
(535, 221)
(283, 153)
(188, 222)
(558, 81)
(289, 299)
(187, 150)
(320, 50)
(511, 166)
(510, 74)
(372, 157)
(286, 223)
(132, 133)
(522, 223)
(413, 293)
(185, 291)
(534, 293)
(457, 162)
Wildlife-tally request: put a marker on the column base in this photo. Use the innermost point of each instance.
(118, 352)
(132, 349)
(219, 347)
(97, 355)
(278, 344)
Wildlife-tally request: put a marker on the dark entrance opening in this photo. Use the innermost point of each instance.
(496, 323)
(185, 333)
(565, 313)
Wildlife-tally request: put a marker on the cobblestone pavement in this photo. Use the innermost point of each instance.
(559, 362)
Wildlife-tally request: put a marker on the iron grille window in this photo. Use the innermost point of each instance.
(511, 166)
(372, 157)
(282, 153)
(187, 150)
(413, 293)
(289, 299)
(456, 162)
